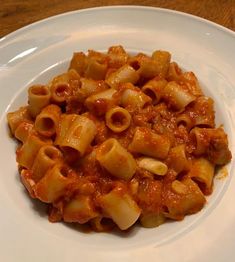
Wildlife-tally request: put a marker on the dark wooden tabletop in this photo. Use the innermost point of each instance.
(15, 14)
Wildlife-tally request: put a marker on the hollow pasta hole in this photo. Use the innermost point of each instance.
(118, 119)
(51, 153)
(70, 153)
(182, 123)
(46, 124)
(201, 185)
(102, 224)
(149, 92)
(204, 126)
(135, 65)
(62, 90)
(64, 171)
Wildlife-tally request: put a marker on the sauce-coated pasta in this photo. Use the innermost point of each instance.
(119, 139)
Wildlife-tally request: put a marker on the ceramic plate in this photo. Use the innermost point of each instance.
(36, 53)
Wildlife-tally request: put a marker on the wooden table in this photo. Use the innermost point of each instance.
(15, 14)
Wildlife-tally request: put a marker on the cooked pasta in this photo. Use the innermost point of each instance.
(119, 139)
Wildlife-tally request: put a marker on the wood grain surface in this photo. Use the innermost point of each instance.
(15, 14)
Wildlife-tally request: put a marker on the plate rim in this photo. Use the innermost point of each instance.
(100, 8)
(179, 14)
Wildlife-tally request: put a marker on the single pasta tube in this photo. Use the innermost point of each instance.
(99, 103)
(146, 142)
(179, 188)
(65, 123)
(152, 165)
(162, 60)
(174, 72)
(154, 89)
(47, 157)
(176, 96)
(124, 74)
(201, 139)
(134, 99)
(118, 119)
(177, 159)
(62, 86)
(28, 151)
(90, 87)
(23, 130)
(78, 137)
(59, 92)
(185, 120)
(80, 209)
(17, 117)
(203, 171)
(38, 97)
(151, 220)
(95, 69)
(53, 184)
(116, 159)
(101, 224)
(47, 121)
(184, 197)
(121, 208)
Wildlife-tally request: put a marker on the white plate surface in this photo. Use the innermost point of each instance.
(37, 52)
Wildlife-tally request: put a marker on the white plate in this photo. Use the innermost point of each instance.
(43, 49)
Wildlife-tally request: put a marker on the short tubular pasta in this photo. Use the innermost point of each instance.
(95, 69)
(47, 156)
(99, 103)
(23, 131)
(17, 117)
(119, 138)
(200, 138)
(53, 184)
(134, 99)
(149, 143)
(148, 68)
(101, 224)
(121, 208)
(185, 194)
(59, 92)
(38, 97)
(154, 89)
(162, 60)
(79, 135)
(176, 96)
(177, 159)
(117, 56)
(202, 171)
(124, 74)
(78, 62)
(116, 159)
(66, 122)
(79, 209)
(152, 165)
(185, 120)
(47, 121)
(62, 86)
(174, 72)
(204, 114)
(150, 220)
(118, 119)
(28, 151)
(90, 87)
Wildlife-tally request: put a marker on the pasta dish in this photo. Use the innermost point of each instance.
(117, 139)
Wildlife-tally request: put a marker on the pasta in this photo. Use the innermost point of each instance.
(119, 139)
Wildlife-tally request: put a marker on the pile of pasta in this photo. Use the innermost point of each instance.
(117, 139)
